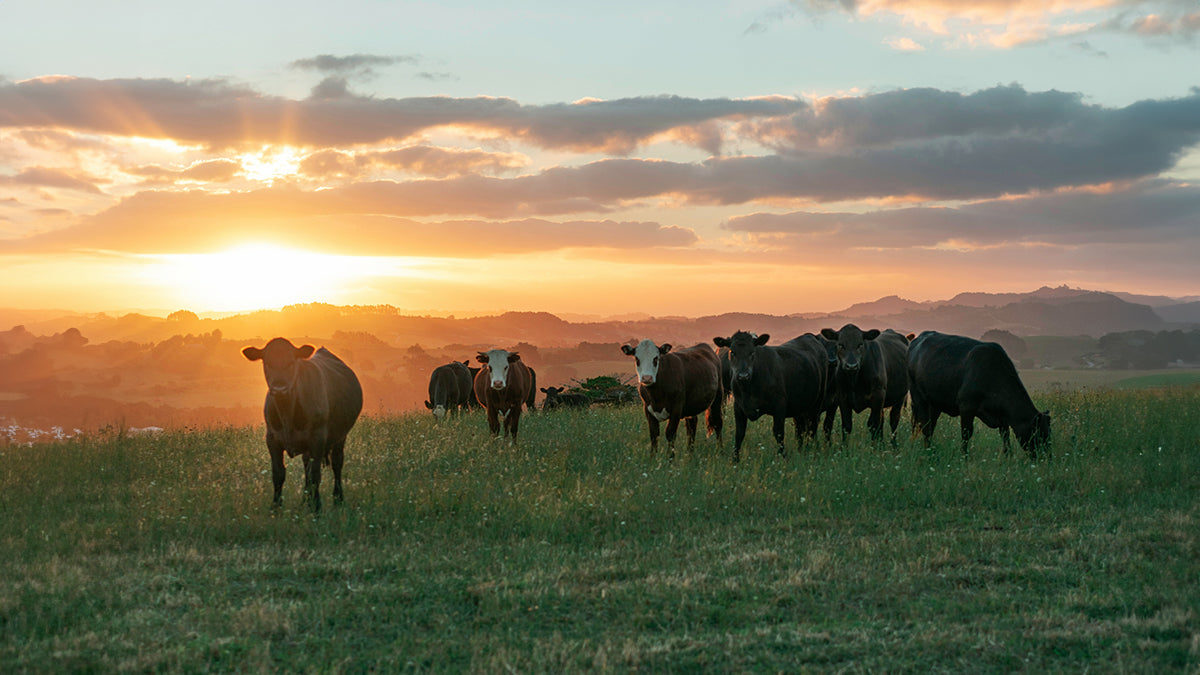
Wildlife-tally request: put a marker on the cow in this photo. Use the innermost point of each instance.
(678, 385)
(502, 387)
(530, 400)
(726, 372)
(963, 377)
(313, 400)
(871, 375)
(449, 389)
(781, 381)
(558, 397)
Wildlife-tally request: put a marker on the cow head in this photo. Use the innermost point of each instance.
(496, 363)
(281, 363)
(439, 410)
(1038, 436)
(646, 356)
(743, 347)
(851, 345)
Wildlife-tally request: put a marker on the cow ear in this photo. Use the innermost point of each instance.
(829, 334)
(664, 348)
(627, 350)
(514, 357)
(545, 390)
(253, 353)
(467, 363)
(721, 342)
(482, 358)
(910, 337)
(871, 334)
(428, 405)
(305, 351)
(762, 339)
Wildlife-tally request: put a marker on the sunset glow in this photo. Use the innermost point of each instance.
(984, 145)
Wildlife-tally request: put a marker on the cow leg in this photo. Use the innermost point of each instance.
(739, 433)
(652, 426)
(928, 426)
(337, 456)
(875, 422)
(847, 420)
(672, 431)
(512, 422)
(314, 481)
(714, 418)
(278, 471)
(894, 420)
(968, 430)
(691, 423)
(777, 428)
(829, 419)
(493, 418)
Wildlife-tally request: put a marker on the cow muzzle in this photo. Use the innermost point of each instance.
(497, 384)
(648, 380)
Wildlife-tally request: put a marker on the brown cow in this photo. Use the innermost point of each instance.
(502, 387)
(313, 400)
(678, 385)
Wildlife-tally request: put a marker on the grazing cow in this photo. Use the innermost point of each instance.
(678, 385)
(871, 375)
(557, 397)
(313, 399)
(449, 389)
(963, 377)
(783, 381)
(503, 386)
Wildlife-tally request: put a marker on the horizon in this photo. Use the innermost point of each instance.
(522, 159)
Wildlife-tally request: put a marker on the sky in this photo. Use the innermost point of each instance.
(664, 158)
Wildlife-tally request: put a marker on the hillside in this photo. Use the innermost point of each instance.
(90, 371)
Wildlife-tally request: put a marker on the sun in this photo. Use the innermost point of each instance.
(263, 276)
(270, 163)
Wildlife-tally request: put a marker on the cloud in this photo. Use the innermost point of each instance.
(218, 114)
(125, 230)
(1156, 211)
(425, 160)
(1010, 23)
(353, 64)
(211, 171)
(38, 176)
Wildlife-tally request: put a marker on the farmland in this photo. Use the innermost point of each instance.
(579, 551)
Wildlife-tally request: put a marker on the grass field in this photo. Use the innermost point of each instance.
(579, 551)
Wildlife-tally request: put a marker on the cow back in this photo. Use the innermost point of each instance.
(689, 378)
(329, 390)
(803, 364)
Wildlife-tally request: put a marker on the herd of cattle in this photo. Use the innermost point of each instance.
(313, 398)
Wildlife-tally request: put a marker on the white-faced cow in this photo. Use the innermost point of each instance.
(559, 397)
(313, 400)
(502, 387)
(970, 379)
(783, 381)
(449, 389)
(871, 375)
(678, 385)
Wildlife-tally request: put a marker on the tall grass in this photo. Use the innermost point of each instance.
(579, 550)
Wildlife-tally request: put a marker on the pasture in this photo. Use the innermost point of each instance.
(579, 551)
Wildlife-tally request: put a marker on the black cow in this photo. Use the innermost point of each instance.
(678, 385)
(558, 397)
(781, 381)
(313, 400)
(871, 375)
(963, 377)
(449, 389)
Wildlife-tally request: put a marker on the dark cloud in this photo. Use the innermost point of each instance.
(1152, 211)
(218, 114)
(327, 63)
